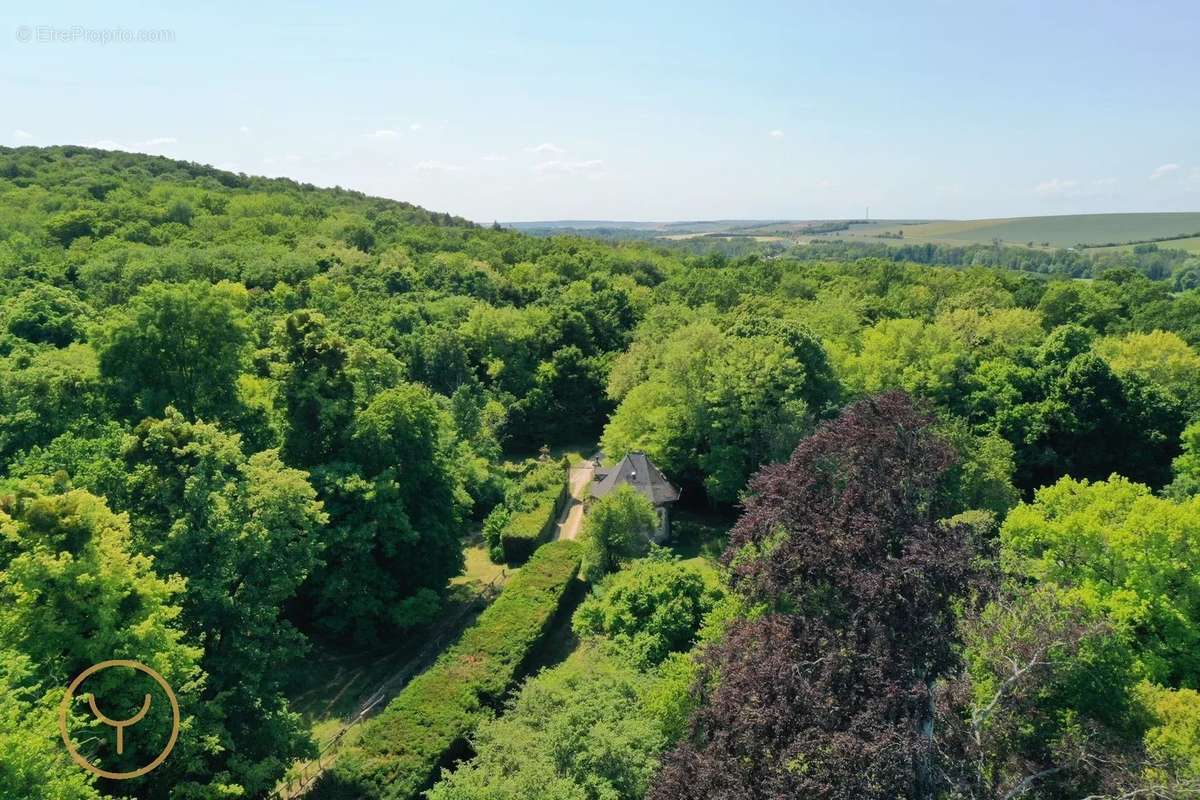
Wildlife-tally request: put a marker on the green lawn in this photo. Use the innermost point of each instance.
(479, 569)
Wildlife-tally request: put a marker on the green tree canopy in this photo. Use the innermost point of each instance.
(316, 391)
(35, 765)
(396, 511)
(1114, 547)
(582, 731)
(652, 608)
(705, 415)
(75, 592)
(176, 344)
(617, 527)
(1160, 358)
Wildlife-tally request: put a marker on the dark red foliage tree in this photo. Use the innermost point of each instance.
(828, 694)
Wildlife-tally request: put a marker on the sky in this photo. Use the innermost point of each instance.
(637, 111)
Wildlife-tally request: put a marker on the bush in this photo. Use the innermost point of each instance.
(426, 726)
(652, 608)
(493, 527)
(534, 507)
(583, 730)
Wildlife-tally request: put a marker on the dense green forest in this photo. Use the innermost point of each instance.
(244, 419)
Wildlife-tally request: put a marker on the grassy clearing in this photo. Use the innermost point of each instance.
(479, 569)
(575, 453)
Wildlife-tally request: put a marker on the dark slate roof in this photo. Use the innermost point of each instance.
(637, 470)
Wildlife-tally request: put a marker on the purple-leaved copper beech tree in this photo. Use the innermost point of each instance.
(828, 694)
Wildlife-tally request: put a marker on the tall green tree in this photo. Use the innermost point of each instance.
(1187, 466)
(176, 344)
(74, 591)
(316, 391)
(395, 533)
(1115, 548)
(46, 315)
(34, 765)
(617, 528)
(1047, 704)
(705, 417)
(46, 393)
(245, 533)
(652, 608)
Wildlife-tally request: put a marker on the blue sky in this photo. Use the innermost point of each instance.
(651, 110)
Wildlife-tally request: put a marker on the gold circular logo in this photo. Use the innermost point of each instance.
(120, 725)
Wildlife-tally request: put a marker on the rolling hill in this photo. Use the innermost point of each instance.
(1181, 229)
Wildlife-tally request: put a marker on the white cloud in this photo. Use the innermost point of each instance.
(290, 158)
(159, 140)
(569, 167)
(547, 148)
(437, 166)
(1165, 169)
(20, 134)
(776, 134)
(1101, 183)
(1057, 186)
(385, 133)
(824, 183)
(416, 126)
(494, 157)
(244, 129)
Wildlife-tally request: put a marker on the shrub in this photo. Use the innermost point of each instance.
(583, 730)
(651, 608)
(426, 726)
(493, 527)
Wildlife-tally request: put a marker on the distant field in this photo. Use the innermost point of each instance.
(1060, 231)
(1191, 245)
(1086, 230)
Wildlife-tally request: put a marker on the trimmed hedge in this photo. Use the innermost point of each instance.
(425, 727)
(535, 508)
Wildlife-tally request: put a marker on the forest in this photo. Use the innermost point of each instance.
(938, 536)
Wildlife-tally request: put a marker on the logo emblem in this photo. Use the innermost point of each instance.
(120, 725)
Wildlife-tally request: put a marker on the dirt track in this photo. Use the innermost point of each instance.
(571, 518)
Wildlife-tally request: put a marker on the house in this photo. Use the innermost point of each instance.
(637, 470)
